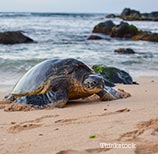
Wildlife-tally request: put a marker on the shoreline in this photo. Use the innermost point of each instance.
(70, 130)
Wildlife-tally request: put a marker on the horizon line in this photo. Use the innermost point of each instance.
(66, 12)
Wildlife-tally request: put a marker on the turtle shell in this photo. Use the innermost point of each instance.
(40, 73)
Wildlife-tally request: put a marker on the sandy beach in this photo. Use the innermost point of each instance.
(83, 125)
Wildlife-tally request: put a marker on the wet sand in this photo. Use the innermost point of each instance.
(82, 125)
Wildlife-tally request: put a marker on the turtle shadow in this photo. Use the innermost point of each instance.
(91, 100)
(73, 103)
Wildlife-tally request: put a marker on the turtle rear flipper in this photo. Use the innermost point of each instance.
(107, 94)
(9, 97)
(49, 99)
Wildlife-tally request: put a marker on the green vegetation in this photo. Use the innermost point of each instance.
(92, 136)
(134, 29)
(98, 68)
(107, 72)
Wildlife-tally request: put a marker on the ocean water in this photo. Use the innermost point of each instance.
(61, 35)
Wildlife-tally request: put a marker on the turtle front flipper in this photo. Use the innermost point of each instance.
(49, 99)
(106, 95)
(109, 93)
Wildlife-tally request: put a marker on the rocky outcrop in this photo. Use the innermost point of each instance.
(113, 74)
(14, 37)
(131, 14)
(111, 15)
(104, 27)
(122, 30)
(146, 36)
(125, 51)
(127, 12)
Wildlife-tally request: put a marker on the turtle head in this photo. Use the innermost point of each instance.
(93, 83)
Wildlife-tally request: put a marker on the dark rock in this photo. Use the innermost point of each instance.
(154, 14)
(126, 12)
(104, 27)
(113, 74)
(94, 37)
(124, 30)
(146, 36)
(125, 51)
(131, 14)
(98, 36)
(111, 16)
(14, 37)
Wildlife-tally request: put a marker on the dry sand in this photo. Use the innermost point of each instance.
(81, 126)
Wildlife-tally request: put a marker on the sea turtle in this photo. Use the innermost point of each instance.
(54, 82)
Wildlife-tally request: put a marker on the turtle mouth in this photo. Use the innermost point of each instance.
(94, 88)
(101, 86)
(98, 86)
